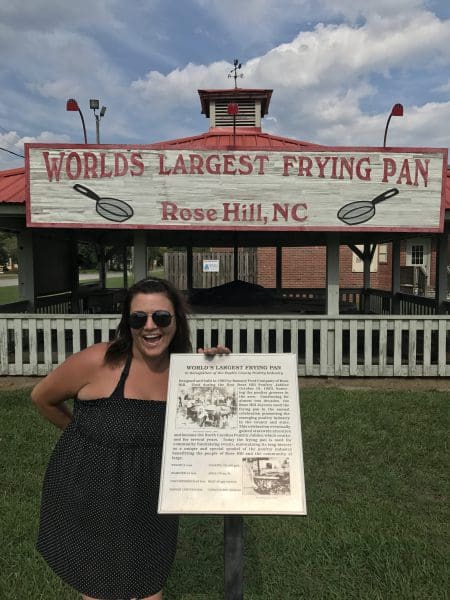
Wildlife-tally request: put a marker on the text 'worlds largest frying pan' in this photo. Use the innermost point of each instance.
(362, 211)
(108, 208)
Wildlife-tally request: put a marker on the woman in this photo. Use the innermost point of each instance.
(99, 528)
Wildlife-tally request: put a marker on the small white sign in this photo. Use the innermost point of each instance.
(211, 266)
(232, 441)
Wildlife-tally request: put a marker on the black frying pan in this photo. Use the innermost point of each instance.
(108, 208)
(361, 211)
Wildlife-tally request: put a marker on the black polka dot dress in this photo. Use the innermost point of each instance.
(99, 528)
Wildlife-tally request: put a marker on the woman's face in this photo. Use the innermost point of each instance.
(151, 340)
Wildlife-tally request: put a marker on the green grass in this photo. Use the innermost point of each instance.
(9, 293)
(376, 468)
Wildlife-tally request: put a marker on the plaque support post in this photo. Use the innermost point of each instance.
(233, 538)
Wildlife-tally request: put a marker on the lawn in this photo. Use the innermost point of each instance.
(376, 467)
(10, 293)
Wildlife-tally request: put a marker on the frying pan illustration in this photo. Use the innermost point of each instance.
(362, 211)
(111, 209)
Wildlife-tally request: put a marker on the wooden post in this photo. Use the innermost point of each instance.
(74, 275)
(332, 298)
(395, 276)
(233, 546)
(368, 254)
(25, 258)
(140, 254)
(102, 265)
(189, 268)
(279, 269)
(125, 267)
(441, 271)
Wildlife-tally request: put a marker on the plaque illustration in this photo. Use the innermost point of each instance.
(207, 406)
(267, 476)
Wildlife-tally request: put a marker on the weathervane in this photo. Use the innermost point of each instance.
(234, 72)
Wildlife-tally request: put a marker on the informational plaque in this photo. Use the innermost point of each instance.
(232, 442)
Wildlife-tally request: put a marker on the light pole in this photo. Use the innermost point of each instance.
(94, 104)
(72, 106)
(396, 111)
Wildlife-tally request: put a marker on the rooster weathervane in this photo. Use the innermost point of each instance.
(234, 72)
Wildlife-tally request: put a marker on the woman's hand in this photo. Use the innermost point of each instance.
(219, 349)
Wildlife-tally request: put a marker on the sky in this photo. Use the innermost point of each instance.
(336, 68)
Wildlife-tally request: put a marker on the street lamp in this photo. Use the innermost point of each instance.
(94, 104)
(72, 106)
(396, 111)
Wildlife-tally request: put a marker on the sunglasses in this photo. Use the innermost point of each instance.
(161, 318)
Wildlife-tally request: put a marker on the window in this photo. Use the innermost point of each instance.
(382, 254)
(418, 252)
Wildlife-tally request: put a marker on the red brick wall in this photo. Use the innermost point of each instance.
(306, 268)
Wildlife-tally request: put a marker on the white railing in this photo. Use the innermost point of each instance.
(344, 346)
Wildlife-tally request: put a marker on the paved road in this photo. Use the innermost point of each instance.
(9, 280)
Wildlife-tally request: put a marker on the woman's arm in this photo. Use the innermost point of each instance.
(50, 394)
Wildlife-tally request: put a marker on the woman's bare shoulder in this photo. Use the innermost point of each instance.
(73, 374)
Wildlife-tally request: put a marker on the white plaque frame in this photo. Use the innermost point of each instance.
(232, 441)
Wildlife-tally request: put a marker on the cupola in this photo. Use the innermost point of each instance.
(235, 107)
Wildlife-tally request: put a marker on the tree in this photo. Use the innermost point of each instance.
(8, 248)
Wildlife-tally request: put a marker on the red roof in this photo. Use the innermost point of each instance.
(12, 186)
(221, 138)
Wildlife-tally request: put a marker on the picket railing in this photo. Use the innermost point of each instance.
(344, 346)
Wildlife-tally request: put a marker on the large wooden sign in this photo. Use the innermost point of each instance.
(315, 189)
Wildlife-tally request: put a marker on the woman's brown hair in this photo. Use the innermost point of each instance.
(121, 346)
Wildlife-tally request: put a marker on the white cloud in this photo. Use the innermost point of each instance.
(333, 82)
(178, 88)
(321, 79)
(445, 87)
(10, 140)
(333, 54)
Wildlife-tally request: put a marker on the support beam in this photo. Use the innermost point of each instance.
(442, 260)
(279, 269)
(235, 260)
(395, 285)
(368, 253)
(25, 260)
(140, 254)
(102, 265)
(189, 268)
(74, 274)
(125, 267)
(332, 298)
